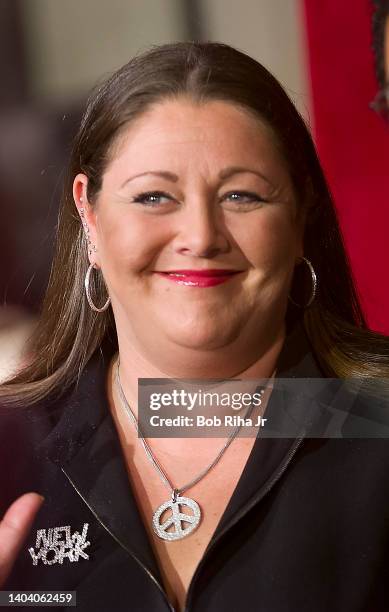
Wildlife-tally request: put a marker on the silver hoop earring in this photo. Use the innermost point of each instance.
(314, 284)
(88, 297)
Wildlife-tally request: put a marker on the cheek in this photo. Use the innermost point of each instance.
(269, 241)
(270, 247)
(129, 242)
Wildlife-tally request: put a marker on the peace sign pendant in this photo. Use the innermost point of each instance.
(176, 518)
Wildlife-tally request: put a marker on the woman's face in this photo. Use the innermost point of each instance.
(195, 188)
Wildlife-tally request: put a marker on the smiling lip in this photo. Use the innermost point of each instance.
(199, 278)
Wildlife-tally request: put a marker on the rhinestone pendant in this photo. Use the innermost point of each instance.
(176, 518)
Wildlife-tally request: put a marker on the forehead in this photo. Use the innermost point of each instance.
(181, 126)
(184, 109)
(182, 135)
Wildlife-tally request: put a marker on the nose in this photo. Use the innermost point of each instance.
(201, 232)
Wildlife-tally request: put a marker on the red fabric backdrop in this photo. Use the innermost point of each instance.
(353, 143)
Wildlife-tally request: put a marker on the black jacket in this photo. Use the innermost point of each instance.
(306, 529)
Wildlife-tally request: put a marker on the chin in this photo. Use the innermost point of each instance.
(209, 336)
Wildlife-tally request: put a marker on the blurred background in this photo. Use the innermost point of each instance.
(53, 51)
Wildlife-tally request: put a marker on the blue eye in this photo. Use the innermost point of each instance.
(150, 198)
(253, 197)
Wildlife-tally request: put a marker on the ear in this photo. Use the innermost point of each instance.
(87, 216)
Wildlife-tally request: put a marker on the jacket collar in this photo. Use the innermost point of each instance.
(85, 445)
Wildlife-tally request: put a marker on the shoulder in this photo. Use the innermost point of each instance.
(368, 410)
(34, 438)
(22, 429)
(29, 422)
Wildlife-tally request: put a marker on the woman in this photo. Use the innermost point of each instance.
(197, 214)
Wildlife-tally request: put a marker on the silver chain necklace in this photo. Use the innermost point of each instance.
(177, 517)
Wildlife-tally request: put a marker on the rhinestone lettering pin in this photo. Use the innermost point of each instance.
(56, 544)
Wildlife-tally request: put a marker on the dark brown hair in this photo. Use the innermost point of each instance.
(69, 331)
(378, 24)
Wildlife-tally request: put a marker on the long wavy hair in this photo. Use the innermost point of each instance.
(380, 14)
(69, 332)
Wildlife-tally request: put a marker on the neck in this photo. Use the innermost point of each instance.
(255, 360)
(134, 364)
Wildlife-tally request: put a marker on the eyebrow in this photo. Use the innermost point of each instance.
(223, 174)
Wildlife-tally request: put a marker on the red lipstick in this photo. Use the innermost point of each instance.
(199, 278)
